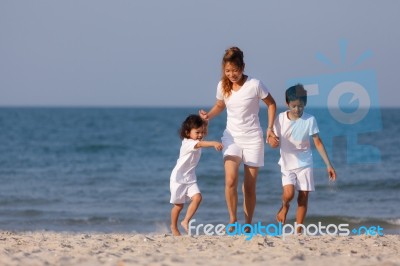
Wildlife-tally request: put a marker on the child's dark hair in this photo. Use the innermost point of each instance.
(192, 121)
(296, 92)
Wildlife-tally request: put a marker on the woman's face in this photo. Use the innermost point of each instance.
(233, 72)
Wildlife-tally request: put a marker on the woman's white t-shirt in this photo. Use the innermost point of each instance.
(243, 106)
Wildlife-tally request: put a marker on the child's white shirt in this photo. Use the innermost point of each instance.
(184, 170)
(294, 138)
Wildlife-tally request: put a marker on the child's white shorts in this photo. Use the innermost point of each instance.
(301, 178)
(180, 193)
(249, 148)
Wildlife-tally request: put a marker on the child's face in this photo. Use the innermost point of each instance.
(233, 72)
(296, 108)
(196, 133)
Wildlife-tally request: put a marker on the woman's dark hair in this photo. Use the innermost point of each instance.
(296, 92)
(192, 121)
(234, 56)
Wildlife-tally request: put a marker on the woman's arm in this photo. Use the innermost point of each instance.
(218, 107)
(270, 102)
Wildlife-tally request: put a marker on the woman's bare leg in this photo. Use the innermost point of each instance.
(232, 164)
(249, 192)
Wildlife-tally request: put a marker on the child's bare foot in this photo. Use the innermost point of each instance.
(299, 231)
(175, 231)
(281, 215)
(185, 225)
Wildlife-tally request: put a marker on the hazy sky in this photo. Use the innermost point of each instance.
(168, 53)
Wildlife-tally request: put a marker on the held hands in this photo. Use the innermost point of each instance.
(272, 139)
(203, 114)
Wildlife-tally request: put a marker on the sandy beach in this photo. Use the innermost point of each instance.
(61, 248)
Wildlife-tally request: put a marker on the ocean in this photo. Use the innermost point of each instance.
(107, 170)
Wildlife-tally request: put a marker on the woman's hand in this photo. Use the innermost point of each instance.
(203, 114)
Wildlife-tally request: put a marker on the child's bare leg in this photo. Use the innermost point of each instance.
(194, 204)
(302, 204)
(175, 211)
(287, 196)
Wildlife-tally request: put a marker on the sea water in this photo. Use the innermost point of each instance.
(108, 169)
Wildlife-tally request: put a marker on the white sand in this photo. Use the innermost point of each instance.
(51, 248)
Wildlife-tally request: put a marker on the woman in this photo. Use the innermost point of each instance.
(243, 137)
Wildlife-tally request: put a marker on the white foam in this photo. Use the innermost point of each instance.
(395, 221)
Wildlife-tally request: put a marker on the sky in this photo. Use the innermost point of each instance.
(168, 53)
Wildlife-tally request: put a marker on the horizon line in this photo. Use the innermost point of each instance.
(156, 106)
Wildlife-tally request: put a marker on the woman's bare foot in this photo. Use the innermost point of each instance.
(281, 215)
(175, 231)
(231, 228)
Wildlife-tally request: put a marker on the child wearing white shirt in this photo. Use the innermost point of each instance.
(294, 129)
(183, 180)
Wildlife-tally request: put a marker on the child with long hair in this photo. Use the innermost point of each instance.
(183, 180)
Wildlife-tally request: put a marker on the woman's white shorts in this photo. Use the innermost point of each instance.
(301, 178)
(181, 193)
(249, 148)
